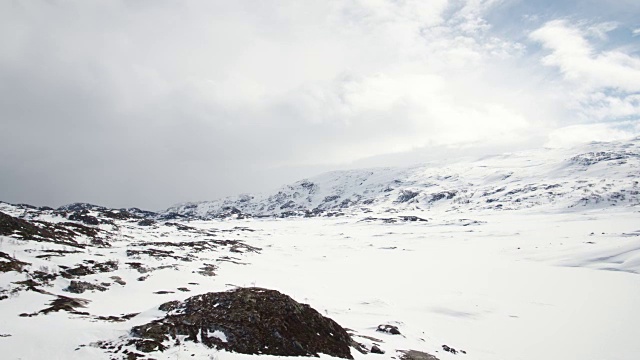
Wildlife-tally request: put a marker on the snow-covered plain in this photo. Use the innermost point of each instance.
(559, 280)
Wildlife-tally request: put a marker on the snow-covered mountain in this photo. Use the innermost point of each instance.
(519, 256)
(596, 174)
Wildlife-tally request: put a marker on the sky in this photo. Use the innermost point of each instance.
(152, 103)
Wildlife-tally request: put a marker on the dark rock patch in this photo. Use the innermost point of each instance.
(181, 227)
(448, 195)
(376, 350)
(64, 233)
(406, 196)
(412, 218)
(112, 318)
(233, 260)
(248, 321)
(139, 267)
(158, 254)
(43, 277)
(78, 287)
(208, 270)
(64, 303)
(389, 329)
(8, 263)
(118, 280)
(449, 349)
(12, 226)
(415, 355)
(80, 207)
(83, 218)
(90, 267)
(146, 222)
(48, 254)
(119, 215)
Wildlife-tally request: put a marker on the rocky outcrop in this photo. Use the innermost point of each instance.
(78, 287)
(248, 321)
(63, 233)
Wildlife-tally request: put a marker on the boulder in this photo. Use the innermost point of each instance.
(248, 321)
(389, 329)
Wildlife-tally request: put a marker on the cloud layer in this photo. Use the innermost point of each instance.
(150, 103)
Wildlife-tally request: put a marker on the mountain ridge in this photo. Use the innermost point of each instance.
(595, 174)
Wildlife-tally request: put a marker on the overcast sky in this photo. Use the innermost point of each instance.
(150, 103)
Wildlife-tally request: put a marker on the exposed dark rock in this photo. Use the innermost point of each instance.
(389, 329)
(139, 267)
(86, 219)
(172, 216)
(62, 303)
(142, 213)
(208, 270)
(248, 321)
(448, 195)
(121, 318)
(415, 355)
(147, 222)
(376, 350)
(412, 218)
(43, 277)
(80, 207)
(449, 349)
(42, 231)
(591, 158)
(157, 253)
(8, 263)
(119, 215)
(331, 198)
(10, 225)
(78, 287)
(92, 267)
(48, 254)
(358, 346)
(407, 195)
(181, 227)
(118, 280)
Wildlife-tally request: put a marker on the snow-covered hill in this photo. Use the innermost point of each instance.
(596, 174)
(524, 256)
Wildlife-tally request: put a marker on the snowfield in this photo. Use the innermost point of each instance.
(551, 276)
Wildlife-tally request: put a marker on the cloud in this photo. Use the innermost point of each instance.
(579, 62)
(150, 103)
(604, 84)
(573, 135)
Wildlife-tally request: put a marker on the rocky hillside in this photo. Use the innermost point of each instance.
(596, 174)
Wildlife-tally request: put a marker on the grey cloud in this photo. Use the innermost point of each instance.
(149, 103)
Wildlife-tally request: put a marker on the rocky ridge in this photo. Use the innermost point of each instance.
(593, 175)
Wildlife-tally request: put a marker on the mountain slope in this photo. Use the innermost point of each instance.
(596, 174)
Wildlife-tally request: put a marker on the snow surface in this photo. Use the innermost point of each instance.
(554, 280)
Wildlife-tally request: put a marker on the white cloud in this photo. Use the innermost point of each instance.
(600, 30)
(578, 134)
(222, 90)
(599, 85)
(579, 62)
